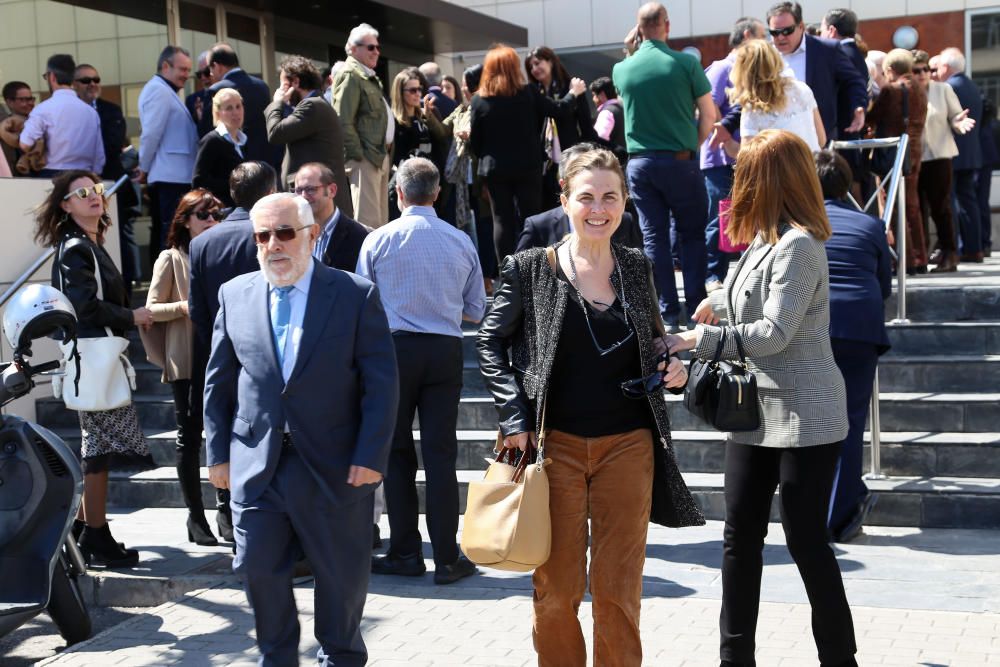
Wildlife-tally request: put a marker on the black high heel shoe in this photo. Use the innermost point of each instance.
(100, 549)
(199, 531)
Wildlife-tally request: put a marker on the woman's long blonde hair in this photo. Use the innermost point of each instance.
(756, 75)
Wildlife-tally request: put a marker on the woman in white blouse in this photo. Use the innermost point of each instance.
(945, 115)
(771, 97)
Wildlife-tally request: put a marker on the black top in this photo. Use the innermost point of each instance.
(506, 132)
(585, 396)
(413, 140)
(573, 123)
(217, 157)
(78, 281)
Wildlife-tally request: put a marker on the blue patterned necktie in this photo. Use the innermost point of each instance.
(281, 315)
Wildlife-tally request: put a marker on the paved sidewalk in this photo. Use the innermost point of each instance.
(927, 597)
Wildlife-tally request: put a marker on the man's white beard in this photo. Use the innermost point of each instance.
(283, 277)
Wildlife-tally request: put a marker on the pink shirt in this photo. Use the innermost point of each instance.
(605, 123)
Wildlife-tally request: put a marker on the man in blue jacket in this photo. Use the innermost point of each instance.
(966, 165)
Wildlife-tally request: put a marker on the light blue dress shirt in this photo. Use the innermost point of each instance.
(427, 273)
(71, 129)
(298, 298)
(324, 238)
(238, 143)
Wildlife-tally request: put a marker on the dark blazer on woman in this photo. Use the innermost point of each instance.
(217, 157)
(527, 315)
(506, 131)
(573, 122)
(860, 275)
(74, 273)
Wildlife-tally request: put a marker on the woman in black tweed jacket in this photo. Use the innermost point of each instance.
(579, 319)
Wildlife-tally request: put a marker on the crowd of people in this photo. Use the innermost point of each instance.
(317, 249)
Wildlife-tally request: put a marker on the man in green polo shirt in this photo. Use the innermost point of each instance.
(660, 89)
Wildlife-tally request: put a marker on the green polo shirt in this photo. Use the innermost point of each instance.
(658, 88)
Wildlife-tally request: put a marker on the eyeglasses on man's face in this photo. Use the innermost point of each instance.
(84, 193)
(307, 190)
(283, 234)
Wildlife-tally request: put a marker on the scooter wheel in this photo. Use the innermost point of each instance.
(66, 606)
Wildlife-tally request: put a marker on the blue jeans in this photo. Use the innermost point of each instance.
(718, 184)
(661, 186)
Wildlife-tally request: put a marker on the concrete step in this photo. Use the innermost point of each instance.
(948, 304)
(940, 373)
(925, 502)
(944, 338)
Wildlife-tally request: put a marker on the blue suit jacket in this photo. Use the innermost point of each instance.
(860, 275)
(168, 142)
(970, 151)
(339, 402)
(218, 255)
(256, 96)
(835, 83)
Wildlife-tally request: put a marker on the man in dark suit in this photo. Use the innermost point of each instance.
(340, 237)
(199, 103)
(839, 86)
(966, 165)
(224, 66)
(443, 105)
(311, 132)
(299, 430)
(549, 227)
(217, 257)
(841, 26)
(87, 83)
(860, 282)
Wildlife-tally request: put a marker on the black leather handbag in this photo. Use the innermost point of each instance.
(723, 393)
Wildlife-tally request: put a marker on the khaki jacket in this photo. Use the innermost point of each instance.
(168, 342)
(357, 99)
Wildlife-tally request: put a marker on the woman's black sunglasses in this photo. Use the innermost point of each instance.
(205, 215)
(646, 386)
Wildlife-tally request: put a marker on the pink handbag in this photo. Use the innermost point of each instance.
(725, 245)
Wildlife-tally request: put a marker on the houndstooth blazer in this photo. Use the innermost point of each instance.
(778, 298)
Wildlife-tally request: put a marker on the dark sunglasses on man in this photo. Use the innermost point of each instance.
(372, 47)
(204, 73)
(87, 80)
(83, 193)
(283, 234)
(784, 32)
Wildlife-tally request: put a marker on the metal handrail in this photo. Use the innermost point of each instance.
(895, 202)
(47, 253)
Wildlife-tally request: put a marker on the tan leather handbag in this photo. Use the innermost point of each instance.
(507, 524)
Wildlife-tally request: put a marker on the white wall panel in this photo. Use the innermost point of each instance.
(102, 54)
(17, 29)
(54, 23)
(567, 23)
(711, 17)
(869, 9)
(679, 12)
(21, 64)
(92, 24)
(613, 20)
(527, 14)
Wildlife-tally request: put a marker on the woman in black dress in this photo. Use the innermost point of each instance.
(74, 220)
(221, 149)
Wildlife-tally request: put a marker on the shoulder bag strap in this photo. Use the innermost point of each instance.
(720, 346)
(100, 286)
(739, 345)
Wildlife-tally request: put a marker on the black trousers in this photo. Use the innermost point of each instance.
(512, 200)
(967, 208)
(805, 478)
(430, 381)
(934, 183)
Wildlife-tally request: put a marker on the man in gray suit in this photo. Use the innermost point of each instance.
(300, 401)
(311, 132)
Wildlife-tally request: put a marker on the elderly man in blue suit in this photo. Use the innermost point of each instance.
(168, 143)
(300, 403)
(966, 165)
(860, 282)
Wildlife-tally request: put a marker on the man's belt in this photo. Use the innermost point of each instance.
(677, 155)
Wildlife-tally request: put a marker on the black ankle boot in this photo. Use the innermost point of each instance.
(100, 549)
(189, 476)
(77, 531)
(224, 519)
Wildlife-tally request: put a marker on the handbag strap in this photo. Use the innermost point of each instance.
(719, 346)
(739, 345)
(97, 277)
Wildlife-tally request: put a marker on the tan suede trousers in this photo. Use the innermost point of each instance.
(608, 480)
(369, 191)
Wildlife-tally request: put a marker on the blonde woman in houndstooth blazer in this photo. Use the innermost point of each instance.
(777, 299)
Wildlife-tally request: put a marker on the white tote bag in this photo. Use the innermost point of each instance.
(97, 374)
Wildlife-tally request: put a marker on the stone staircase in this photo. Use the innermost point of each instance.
(940, 417)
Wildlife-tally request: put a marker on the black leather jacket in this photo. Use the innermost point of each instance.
(526, 319)
(73, 272)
